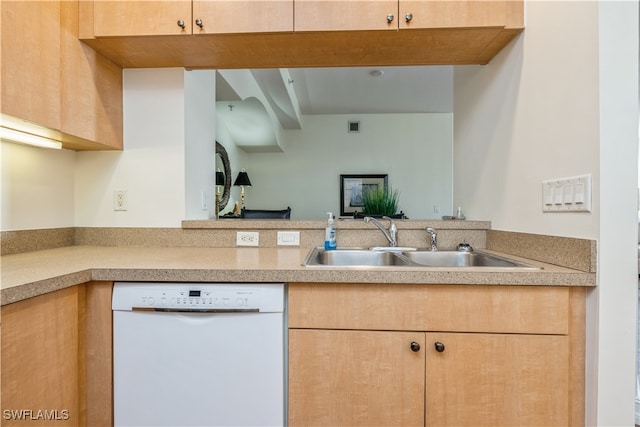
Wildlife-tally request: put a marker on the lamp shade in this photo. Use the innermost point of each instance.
(219, 178)
(242, 179)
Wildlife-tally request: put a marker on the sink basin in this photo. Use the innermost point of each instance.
(354, 258)
(388, 257)
(462, 259)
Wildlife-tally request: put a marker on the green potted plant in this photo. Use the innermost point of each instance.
(378, 202)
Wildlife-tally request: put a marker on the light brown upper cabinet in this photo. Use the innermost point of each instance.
(299, 33)
(341, 15)
(344, 15)
(31, 61)
(91, 85)
(453, 14)
(256, 16)
(54, 85)
(141, 18)
(176, 17)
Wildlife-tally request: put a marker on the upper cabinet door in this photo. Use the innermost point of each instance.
(238, 16)
(141, 18)
(31, 61)
(341, 15)
(452, 13)
(91, 89)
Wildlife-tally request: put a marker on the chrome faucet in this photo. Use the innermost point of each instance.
(389, 234)
(433, 237)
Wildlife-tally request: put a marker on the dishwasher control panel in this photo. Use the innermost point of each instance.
(203, 299)
(197, 297)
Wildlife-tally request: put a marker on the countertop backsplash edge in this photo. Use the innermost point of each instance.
(574, 253)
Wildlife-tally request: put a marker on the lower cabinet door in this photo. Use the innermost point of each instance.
(356, 378)
(496, 380)
(41, 361)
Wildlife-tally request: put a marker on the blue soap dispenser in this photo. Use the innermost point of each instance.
(330, 234)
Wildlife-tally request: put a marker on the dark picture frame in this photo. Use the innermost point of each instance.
(351, 188)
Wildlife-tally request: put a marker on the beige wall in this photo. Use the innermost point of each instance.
(531, 115)
(559, 101)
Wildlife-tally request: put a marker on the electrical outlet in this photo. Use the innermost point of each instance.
(247, 238)
(120, 200)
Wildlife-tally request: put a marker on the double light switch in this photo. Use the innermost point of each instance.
(571, 194)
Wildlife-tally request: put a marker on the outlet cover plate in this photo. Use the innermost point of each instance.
(247, 238)
(120, 202)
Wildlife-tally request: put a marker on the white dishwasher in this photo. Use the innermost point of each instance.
(198, 354)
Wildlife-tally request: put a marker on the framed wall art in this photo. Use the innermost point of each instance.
(353, 186)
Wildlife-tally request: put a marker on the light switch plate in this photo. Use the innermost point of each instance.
(571, 194)
(288, 238)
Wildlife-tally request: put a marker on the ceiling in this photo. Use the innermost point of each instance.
(367, 90)
(364, 90)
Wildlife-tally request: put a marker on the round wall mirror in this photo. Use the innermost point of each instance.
(222, 165)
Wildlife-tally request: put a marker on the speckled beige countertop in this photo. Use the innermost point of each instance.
(29, 274)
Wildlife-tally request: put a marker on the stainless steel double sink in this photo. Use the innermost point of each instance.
(408, 257)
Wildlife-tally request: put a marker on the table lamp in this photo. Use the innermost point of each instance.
(242, 180)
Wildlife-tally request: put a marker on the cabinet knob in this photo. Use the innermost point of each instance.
(390, 18)
(408, 17)
(199, 23)
(439, 346)
(415, 346)
(181, 23)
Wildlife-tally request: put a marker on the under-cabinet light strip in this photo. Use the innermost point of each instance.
(11, 135)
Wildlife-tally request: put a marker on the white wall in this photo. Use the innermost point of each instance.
(200, 146)
(617, 295)
(152, 166)
(37, 187)
(562, 100)
(415, 150)
(247, 88)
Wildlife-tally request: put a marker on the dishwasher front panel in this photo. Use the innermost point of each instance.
(198, 369)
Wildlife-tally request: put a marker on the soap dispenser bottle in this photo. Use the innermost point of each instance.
(330, 234)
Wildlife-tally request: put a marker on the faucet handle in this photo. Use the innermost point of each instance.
(465, 247)
(433, 238)
(393, 232)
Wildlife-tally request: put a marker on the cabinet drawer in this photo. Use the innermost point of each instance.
(453, 308)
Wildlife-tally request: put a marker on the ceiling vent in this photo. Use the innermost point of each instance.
(353, 127)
